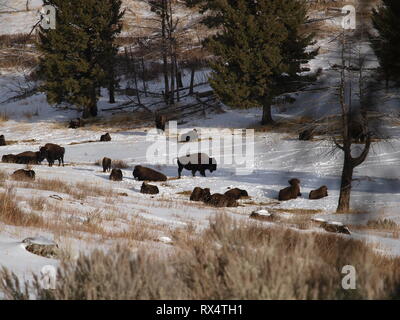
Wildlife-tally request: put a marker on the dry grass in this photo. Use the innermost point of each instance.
(297, 211)
(119, 164)
(4, 116)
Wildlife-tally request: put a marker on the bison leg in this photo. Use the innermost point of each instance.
(203, 173)
(180, 168)
(194, 173)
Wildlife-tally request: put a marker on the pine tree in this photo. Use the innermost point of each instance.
(77, 54)
(260, 50)
(387, 44)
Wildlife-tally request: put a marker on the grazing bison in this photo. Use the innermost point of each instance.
(189, 136)
(105, 137)
(2, 140)
(75, 123)
(199, 194)
(160, 121)
(149, 189)
(52, 152)
(291, 192)
(306, 135)
(197, 162)
(106, 164)
(9, 158)
(22, 174)
(116, 175)
(29, 157)
(221, 200)
(236, 193)
(357, 131)
(147, 174)
(318, 193)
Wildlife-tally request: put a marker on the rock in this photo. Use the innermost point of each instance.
(263, 215)
(166, 240)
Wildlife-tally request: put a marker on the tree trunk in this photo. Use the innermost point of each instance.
(93, 103)
(144, 77)
(193, 71)
(111, 86)
(267, 112)
(345, 187)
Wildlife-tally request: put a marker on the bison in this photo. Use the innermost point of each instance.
(52, 152)
(197, 162)
(291, 192)
(29, 157)
(146, 174)
(318, 193)
(22, 174)
(149, 189)
(221, 200)
(2, 140)
(199, 194)
(106, 164)
(75, 123)
(116, 175)
(236, 193)
(306, 135)
(160, 121)
(105, 137)
(9, 158)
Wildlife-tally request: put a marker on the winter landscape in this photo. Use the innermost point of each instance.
(161, 90)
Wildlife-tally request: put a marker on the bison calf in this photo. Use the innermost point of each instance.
(106, 164)
(236, 193)
(318, 193)
(105, 137)
(149, 189)
(196, 162)
(146, 174)
(22, 174)
(52, 152)
(199, 194)
(2, 140)
(291, 192)
(116, 175)
(221, 200)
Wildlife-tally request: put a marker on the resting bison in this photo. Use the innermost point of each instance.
(2, 140)
(10, 158)
(149, 189)
(199, 194)
(116, 175)
(291, 192)
(189, 136)
(75, 123)
(160, 121)
(319, 193)
(147, 174)
(221, 200)
(335, 227)
(306, 135)
(106, 164)
(236, 193)
(22, 174)
(357, 131)
(29, 157)
(52, 152)
(105, 137)
(197, 162)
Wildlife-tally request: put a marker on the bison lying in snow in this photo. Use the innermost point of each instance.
(116, 175)
(52, 152)
(105, 137)
(75, 123)
(147, 174)
(22, 174)
(106, 164)
(2, 140)
(160, 121)
(149, 189)
(236, 193)
(306, 135)
(318, 193)
(199, 194)
(291, 192)
(197, 162)
(29, 157)
(9, 158)
(221, 200)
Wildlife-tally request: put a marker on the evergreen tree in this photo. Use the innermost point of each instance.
(387, 44)
(260, 49)
(78, 55)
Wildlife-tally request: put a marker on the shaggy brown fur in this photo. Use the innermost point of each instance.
(197, 162)
(160, 121)
(306, 135)
(236, 193)
(52, 152)
(9, 158)
(291, 192)
(105, 137)
(116, 175)
(75, 123)
(199, 194)
(221, 200)
(147, 174)
(318, 193)
(149, 189)
(2, 140)
(22, 174)
(29, 157)
(106, 164)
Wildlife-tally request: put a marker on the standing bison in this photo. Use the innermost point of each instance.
(146, 174)
(52, 152)
(2, 140)
(291, 192)
(160, 121)
(106, 164)
(197, 162)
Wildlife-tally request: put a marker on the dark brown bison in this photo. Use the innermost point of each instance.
(306, 135)
(9, 158)
(357, 131)
(2, 140)
(29, 157)
(106, 164)
(149, 189)
(199, 194)
(52, 152)
(116, 175)
(197, 162)
(146, 174)
(105, 137)
(75, 123)
(221, 200)
(291, 192)
(318, 193)
(160, 121)
(22, 174)
(236, 193)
